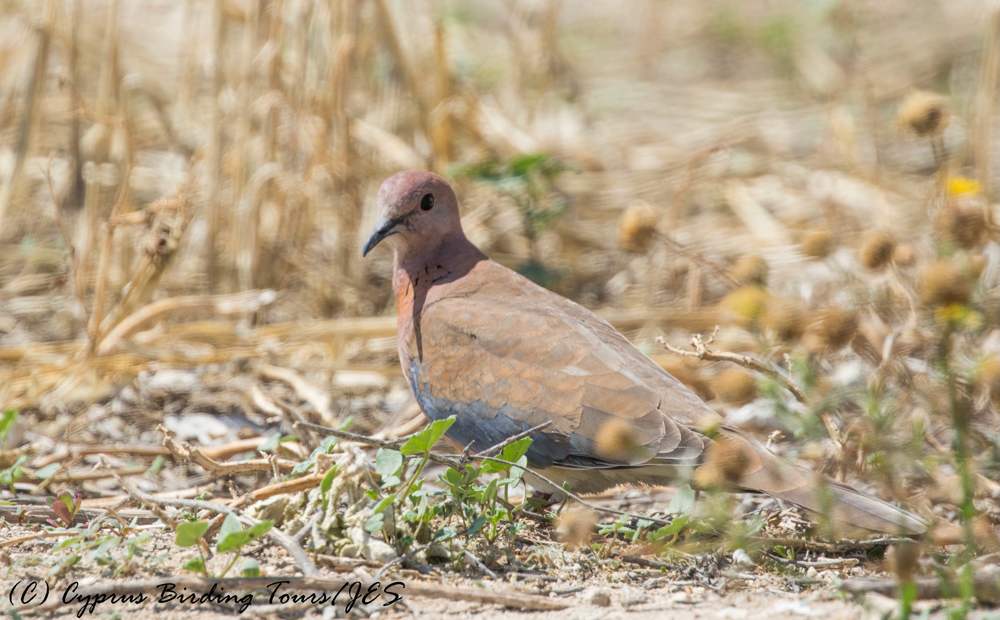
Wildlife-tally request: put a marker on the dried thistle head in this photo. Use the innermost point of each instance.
(943, 283)
(745, 305)
(617, 440)
(817, 243)
(637, 227)
(750, 269)
(904, 255)
(924, 113)
(726, 460)
(902, 559)
(831, 329)
(988, 377)
(876, 249)
(964, 225)
(785, 318)
(735, 386)
(575, 526)
(688, 372)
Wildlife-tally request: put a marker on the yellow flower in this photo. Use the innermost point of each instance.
(959, 316)
(963, 186)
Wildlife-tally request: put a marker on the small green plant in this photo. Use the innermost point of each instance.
(231, 540)
(475, 500)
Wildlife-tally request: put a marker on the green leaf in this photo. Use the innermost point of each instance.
(516, 449)
(155, 467)
(452, 477)
(195, 565)
(260, 529)
(236, 539)
(13, 473)
(232, 541)
(422, 442)
(477, 525)
(327, 483)
(7, 422)
(388, 462)
(374, 523)
(190, 532)
(250, 568)
(324, 448)
(386, 501)
(229, 525)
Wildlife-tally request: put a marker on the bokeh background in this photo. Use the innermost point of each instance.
(186, 185)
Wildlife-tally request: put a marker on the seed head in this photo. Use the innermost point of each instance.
(637, 227)
(750, 269)
(575, 527)
(617, 440)
(832, 329)
(817, 243)
(943, 283)
(877, 249)
(726, 461)
(785, 319)
(735, 386)
(924, 113)
(964, 225)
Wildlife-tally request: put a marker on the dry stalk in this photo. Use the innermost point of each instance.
(399, 54)
(216, 146)
(985, 104)
(73, 194)
(236, 303)
(185, 452)
(32, 103)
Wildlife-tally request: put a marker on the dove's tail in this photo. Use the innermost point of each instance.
(845, 506)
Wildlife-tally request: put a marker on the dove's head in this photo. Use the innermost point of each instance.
(417, 211)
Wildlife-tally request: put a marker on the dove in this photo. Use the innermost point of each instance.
(503, 355)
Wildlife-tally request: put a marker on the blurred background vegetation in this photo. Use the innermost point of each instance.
(184, 185)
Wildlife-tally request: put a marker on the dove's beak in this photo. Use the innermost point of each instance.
(382, 230)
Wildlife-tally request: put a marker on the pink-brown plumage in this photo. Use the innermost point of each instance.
(502, 354)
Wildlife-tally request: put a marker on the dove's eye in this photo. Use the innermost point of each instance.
(427, 202)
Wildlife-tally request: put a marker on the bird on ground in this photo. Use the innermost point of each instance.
(503, 355)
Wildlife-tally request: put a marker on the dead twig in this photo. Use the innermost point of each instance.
(506, 442)
(986, 583)
(700, 350)
(184, 452)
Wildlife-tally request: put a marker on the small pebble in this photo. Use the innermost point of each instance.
(632, 599)
(742, 558)
(600, 598)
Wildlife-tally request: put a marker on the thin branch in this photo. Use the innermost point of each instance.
(184, 452)
(506, 442)
(701, 351)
